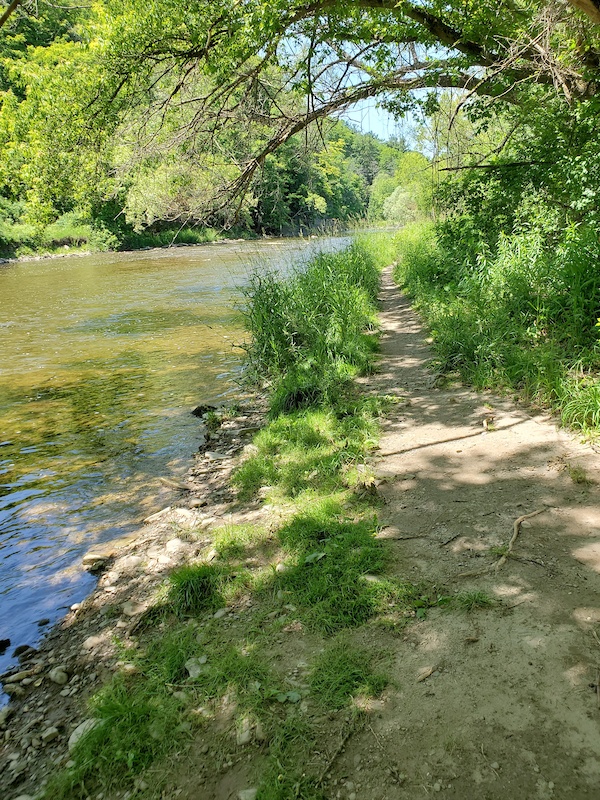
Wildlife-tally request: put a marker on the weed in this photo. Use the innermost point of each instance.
(311, 335)
(195, 588)
(238, 668)
(469, 601)
(212, 420)
(578, 475)
(341, 672)
(304, 449)
(139, 722)
(136, 240)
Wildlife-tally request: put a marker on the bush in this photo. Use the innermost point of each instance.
(522, 315)
(309, 332)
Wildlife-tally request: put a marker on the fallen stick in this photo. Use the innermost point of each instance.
(516, 530)
(451, 539)
(502, 560)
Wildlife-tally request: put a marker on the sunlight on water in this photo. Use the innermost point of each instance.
(103, 358)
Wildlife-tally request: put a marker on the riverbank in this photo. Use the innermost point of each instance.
(122, 606)
(164, 240)
(103, 359)
(352, 614)
(68, 252)
(53, 684)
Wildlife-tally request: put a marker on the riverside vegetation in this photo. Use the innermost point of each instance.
(313, 564)
(72, 179)
(520, 317)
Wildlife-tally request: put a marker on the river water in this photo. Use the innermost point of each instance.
(102, 358)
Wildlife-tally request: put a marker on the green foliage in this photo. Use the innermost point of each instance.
(196, 587)
(139, 721)
(324, 575)
(470, 601)
(232, 541)
(321, 176)
(404, 196)
(166, 237)
(521, 316)
(300, 450)
(289, 753)
(308, 332)
(117, 175)
(344, 671)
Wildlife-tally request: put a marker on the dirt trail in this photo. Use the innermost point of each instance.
(496, 703)
(508, 711)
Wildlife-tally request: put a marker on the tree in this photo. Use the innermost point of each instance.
(333, 53)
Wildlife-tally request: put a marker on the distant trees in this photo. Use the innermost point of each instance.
(106, 170)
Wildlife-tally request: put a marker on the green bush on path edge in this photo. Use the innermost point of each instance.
(520, 319)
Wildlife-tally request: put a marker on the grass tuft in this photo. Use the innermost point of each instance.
(196, 587)
(470, 601)
(342, 672)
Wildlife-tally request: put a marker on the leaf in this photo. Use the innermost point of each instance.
(314, 557)
(289, 697)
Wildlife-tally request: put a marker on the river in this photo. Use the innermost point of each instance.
(103, 358)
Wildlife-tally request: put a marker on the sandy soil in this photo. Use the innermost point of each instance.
(510, 709)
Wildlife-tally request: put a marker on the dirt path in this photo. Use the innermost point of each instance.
(495, 703)
(508, 710)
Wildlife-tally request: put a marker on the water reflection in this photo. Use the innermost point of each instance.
(102, 360)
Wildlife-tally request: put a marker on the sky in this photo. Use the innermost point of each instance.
(368, 118)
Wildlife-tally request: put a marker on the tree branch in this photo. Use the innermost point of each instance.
(9, 11)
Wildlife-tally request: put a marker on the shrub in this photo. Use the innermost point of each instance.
(309, 332)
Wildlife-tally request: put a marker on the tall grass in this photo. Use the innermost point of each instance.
(521, 317)
(312, 332)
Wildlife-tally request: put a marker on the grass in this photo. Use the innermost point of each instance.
(578, 475)
(233, 542)
(342, 672)
(166, 238)
(470, 601)
(140, 722)
(520, 318)
(290, 750)
(310, 448)
(318, 568)
(311, 333)
(196, 587)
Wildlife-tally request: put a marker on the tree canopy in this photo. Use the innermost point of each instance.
(280, 66)
(172, 108)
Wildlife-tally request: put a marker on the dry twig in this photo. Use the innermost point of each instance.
(508, 554)
(327, 769)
